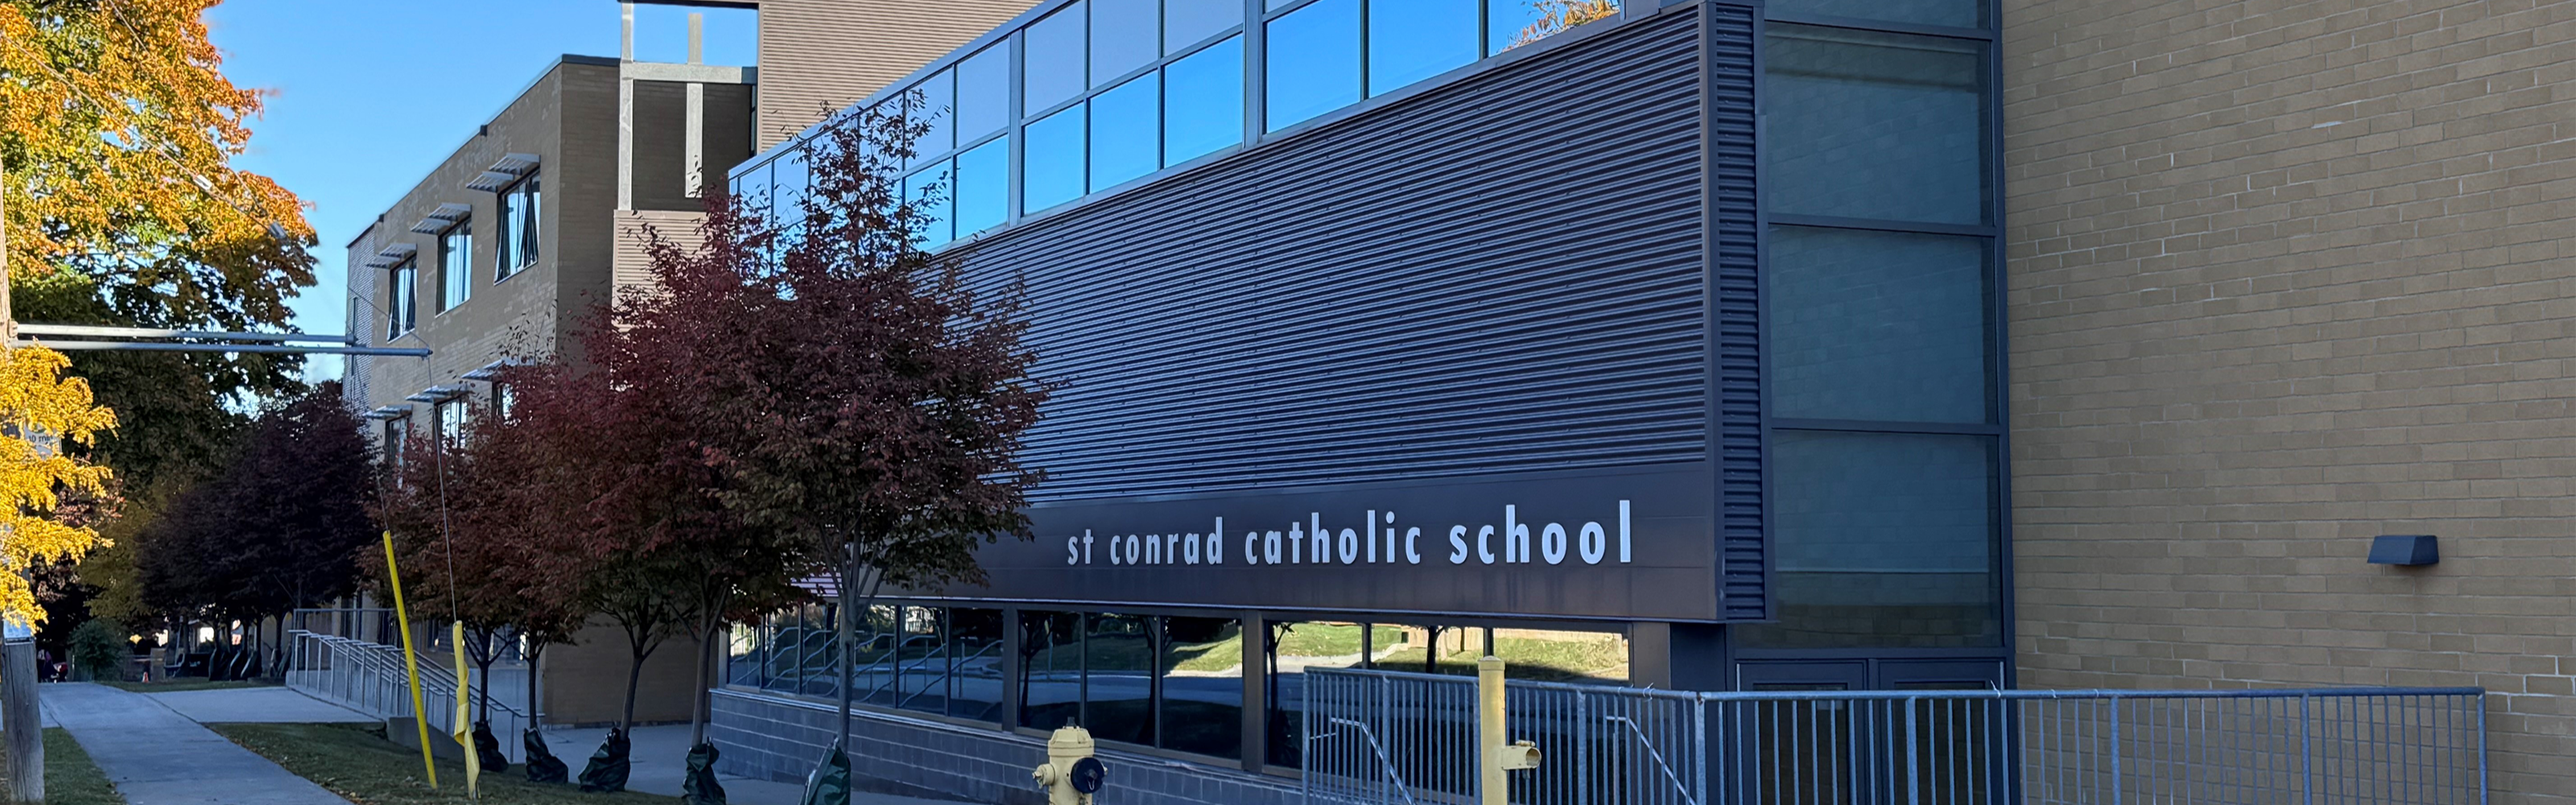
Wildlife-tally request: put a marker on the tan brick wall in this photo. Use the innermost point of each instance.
(584, 683)
(2283, 276)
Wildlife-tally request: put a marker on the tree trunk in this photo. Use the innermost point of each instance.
(847, 632)
(483, 655)
(634, 675)
(535, 648)
(698, 697)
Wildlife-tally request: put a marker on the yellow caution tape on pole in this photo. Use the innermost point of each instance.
(464, 730)
(411, 661)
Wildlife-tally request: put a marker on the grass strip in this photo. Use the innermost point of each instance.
(355, 761)
(70, 777)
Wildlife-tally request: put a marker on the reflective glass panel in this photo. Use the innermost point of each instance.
(875, 667)
(1052, 59)
(1050, 669)
(983, 93)
(1875, 125)
(1125, 35)
(1203, 102)
(1053, 173)
(1203, 686)
(753, 186)
(1517, 22)
(938, 112)
(1125, 132)
(1885, 326)
(1417, 39)
(1118, 683)
(975, 650)
(983, 187)
(792, 180)
(1954, 13)
(1290, 649)
(1189, 22)
(923, 653)
(1885, 540)
(456, 265)
(1313, 64)
(928, 192)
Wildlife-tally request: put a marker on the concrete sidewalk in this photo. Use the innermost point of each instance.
(156, 756)
(257, 706)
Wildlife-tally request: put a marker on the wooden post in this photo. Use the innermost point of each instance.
(24, 723)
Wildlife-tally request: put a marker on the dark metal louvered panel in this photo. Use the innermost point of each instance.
(1505, 274)
(1736, 258)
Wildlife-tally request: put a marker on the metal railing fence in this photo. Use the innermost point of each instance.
(1377, 737)
(370, 678)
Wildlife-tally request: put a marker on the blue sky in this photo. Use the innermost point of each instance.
(369, 95)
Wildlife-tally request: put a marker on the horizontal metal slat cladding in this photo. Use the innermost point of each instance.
(1735, 257)
(1505, 274)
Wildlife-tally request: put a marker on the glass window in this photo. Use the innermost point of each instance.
(1884, 540)
(793, 181)
(921, 650)
(975, 649)
(400, 311)
(1287, 651)
(927, 191)
(875, 664)
(455, 418)
(1118, 680)
(516, 244)
(456, 265)
(1417, 39)
(1053, 171)
(983, 93)
(397, 436)
(1202, 673)
(1125, 35)
(1189, 22)
(1125, 134)
(1954, 13)
(752, 188)
(1203, 102)
(983, 187)
(1509, 23)
(1875, 125)
(1885, 326)
(1052, 59)
(1051, 669)
(1313, 62)
(937, 112)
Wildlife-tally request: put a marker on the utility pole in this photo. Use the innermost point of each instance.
(20, 716)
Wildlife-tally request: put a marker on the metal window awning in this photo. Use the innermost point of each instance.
(86, 337)
(393, 255)
(437, 394)
(389, 412)
(489, 370)
(440, 219)
(508, 169)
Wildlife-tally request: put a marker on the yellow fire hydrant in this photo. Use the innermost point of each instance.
(1499, 757)
(1070, 775)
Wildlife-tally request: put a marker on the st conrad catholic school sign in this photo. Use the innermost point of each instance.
(1636, 543)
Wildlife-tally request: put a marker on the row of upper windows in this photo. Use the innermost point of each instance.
(514, 249)
(1111, 91)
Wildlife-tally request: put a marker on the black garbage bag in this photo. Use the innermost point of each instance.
(487, 749)
(830, 782)
(543, 766)
(700, 786)
(608, 766)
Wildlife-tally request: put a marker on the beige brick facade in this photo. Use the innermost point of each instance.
(2284, 275)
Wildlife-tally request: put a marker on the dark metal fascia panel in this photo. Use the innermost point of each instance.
(1504, 274)
(1735, 231)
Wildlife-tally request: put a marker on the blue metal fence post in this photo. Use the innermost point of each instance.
(2307, 773)
(2115, 751)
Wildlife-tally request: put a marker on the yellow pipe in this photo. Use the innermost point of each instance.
(1494, 788)
(411, 661)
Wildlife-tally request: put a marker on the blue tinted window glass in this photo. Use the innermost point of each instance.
(937, 111)
(983, 93)
(983, 186)
(1125, 35)
(1955, 13)
(1203, 101)
(1515, 22)
(1188, 22)
(1125, 132)
(751, 187)
(1417, 39)
(1882, 326)
(1875, 125)
(1053, 173)
(929, 194)
(1313, 62)
(791, 179)
(1052, 60)
(1884, 540)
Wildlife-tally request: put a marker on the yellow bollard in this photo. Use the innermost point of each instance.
(1494, 754)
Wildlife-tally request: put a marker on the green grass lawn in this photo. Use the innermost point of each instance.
(355, 761)
(1529, 658)
(70, 777)
(176, 685)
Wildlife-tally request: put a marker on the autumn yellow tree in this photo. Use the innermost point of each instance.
(39, 410)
